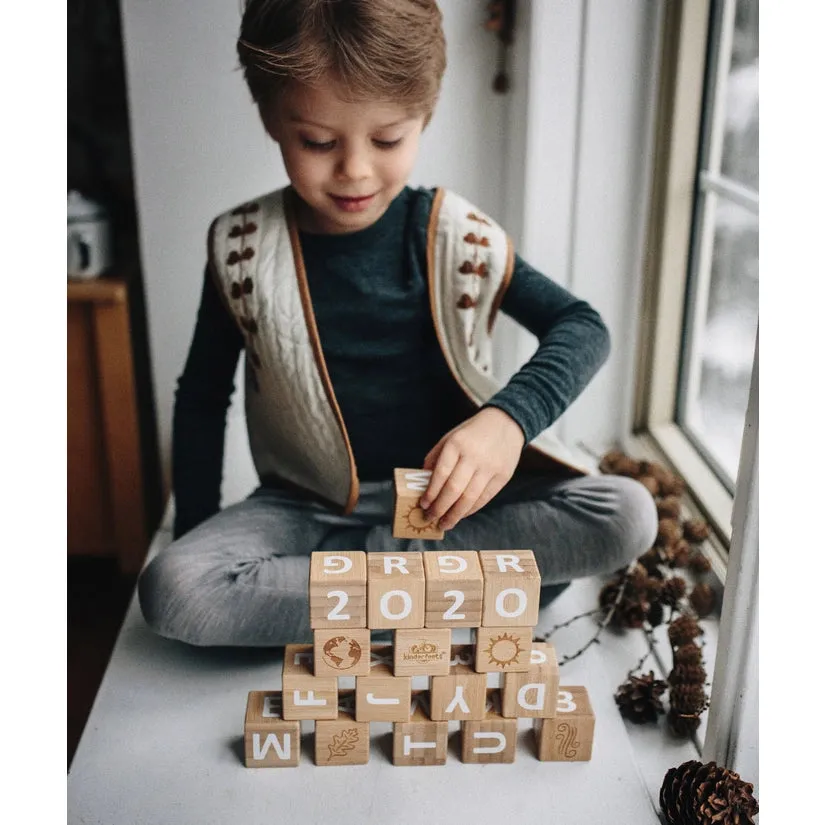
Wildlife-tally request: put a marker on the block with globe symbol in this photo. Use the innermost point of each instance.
(408, 517)
(341, 652)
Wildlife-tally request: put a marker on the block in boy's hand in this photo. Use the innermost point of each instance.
(512, 583)
(408, 519)
(567, 736)
(269, 740)
(338, 589)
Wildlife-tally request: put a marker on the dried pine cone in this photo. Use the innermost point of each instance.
(689, 654)
(631, 614)
(699, 563)
(618, 463)
(650, 484)
(706, 794)
(638, 698)
(695, 530)
(672, 590)
(682, 630)
(687, 675)
(682, 724)
(655, 614)
(650, 560)
(703, 599)
(669, 507)
(670, 531)
(679, 554)
(672, 486)
(688, 698)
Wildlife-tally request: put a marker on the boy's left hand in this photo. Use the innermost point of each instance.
(470, 465)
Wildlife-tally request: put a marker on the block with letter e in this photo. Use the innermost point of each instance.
(338, 589)
(306, 696)
(408, 517)
(568, 736)
(491, 739)
(533, 693)
(455, 588)
(421, 741)
(512, 583)
(270, 741)
(396, 591)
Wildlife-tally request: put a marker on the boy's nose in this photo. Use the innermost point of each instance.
(353, 165)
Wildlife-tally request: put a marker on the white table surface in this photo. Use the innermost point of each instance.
(164, 744)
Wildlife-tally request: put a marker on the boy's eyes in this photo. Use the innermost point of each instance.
(326, 146)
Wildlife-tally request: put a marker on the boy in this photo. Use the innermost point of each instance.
(364, 308)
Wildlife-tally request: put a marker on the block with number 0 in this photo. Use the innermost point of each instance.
(338, 589)
(512, 583)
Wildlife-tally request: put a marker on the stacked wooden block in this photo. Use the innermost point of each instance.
(421, 597)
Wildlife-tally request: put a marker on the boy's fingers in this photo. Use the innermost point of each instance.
(492, 489)
(466, 502)
(442, 465)
(451, 489)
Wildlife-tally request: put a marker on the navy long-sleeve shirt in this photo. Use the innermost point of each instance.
(396, 393)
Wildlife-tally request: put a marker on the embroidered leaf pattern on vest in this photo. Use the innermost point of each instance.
(342, 743)
(242, 285)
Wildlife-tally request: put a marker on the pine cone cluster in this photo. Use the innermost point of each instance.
(706, 794)
(688, 699)
(638, 698)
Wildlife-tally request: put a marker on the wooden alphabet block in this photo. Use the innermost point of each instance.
(342, 741)
(382, 697)
(396, 590)
(512, 583)
(342, 652)
(568, 736)
(419, 741)
(503, 649)
(455, 588)
(461, 694)
(492, 739)
(424, 652)
(408, 519)
(338, 589)
(534, 692)
(269, 740)
(306, 696)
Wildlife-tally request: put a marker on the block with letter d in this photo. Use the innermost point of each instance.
(455, 588)
(338, 589)
(491, 739)
(533, 692)
(306, 696)
(512, 583)
(269, 740)
(568, 736)
(420, 741)
(408, 517)
(396, 591)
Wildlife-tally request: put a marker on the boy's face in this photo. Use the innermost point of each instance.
(346, 160)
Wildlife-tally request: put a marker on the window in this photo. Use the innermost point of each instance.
(700, 310)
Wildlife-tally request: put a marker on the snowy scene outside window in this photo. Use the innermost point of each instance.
(723, 289)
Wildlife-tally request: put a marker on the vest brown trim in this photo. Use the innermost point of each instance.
(315, 340)
(502, 287)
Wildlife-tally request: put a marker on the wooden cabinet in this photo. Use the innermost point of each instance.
(107, 513)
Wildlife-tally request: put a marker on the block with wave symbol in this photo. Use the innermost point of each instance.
(568, 736)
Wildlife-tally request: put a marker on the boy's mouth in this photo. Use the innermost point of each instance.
(352, 204)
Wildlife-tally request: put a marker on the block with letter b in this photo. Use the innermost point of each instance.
(455, 588)
(306, 696)
(420, 741)
(338, 589)
(396, 591)
(533, 693)
(568, 736)
(491, 739)
(408, 519)
(270, 741)
(512, 583)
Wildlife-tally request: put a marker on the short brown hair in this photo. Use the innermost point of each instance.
(376, 49)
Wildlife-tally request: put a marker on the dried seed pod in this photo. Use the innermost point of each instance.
(669, 507)
(670, 531)
(688, 654)
(679, 554)
(695, 530)
(699, 563)
(682, 724)
(683, 630)
(687, 675)
(650, 484)
(688, 698)
(702, 599)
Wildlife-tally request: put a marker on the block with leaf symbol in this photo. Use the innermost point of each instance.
(408, 517)
(512, 584)
(342, 741)
(270, 741)
(491, 739)
(421, 741)
(568, 736)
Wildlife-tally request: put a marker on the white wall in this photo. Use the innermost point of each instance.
(198, 148)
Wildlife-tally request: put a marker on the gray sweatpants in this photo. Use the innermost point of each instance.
(241, 577)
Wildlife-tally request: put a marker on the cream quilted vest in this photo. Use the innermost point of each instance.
(296, 431)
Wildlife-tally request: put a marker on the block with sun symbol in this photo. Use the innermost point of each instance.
(462, 693)
(491, 739)
(421, 741)
(338, 589)
(270, 741)
(342, 652)
(512, 584)
(455, 588)
(503, 649)
(568, 736)
(532, 693)
(395, 587)
(342, 741)
(408, 518)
